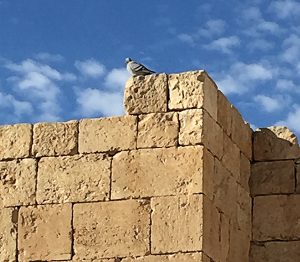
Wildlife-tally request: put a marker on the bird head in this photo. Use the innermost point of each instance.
(127, 60)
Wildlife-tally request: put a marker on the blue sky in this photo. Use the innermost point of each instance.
(62, 60)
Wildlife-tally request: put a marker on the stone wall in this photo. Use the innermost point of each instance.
(166, 182)
(275, 188)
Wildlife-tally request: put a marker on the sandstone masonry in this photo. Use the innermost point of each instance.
(169, 181)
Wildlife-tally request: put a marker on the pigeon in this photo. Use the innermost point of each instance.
(137, 69)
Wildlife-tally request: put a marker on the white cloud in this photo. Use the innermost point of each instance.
(213, 27)
(285, 8)
(224, 44)
(186, 38)
(90, 68)
(293, 119)
(269, 104)
(116, 79)
(286, 85)
(256, 25)
(260, 44)
(95, 102)
(291, 49)
(29, 65)
(242, 77)
(38, 83)
(47, 57)
(19, 108)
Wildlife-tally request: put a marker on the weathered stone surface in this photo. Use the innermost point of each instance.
(185, 223)
(275, 252)
(224, 113)
(73, 178)
(44, 232)
(239, 245)
(53, 139)
(8, 234)
(157, 130)
(272, 177)
(197, 127)
(193, 89)
(268, 145)
(231, 156)
(146, 94)
(298, 177)
(160, 172)
(224, 238)
(17, 182)
(245, 171)
(284, 133)
(177, 224)
(241, 133)
(15, 141)
(276, 217)
(243, 212)
(107, 134)
(111, 229)
(183, 257)
(224, 191)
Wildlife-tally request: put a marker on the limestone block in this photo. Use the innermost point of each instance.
(276, 217)
(15, 141)
(244, 206)
(298, 177)
(111, 229)
(17, 182)
(8, 234)
(44, 232)
(79, 178)
(224, 189)
(270, 145)
(231, 157)
(193, 89)
(239, 245)
(107, 134)
(161, 171)
(53, 139)
(177, 224)
(184, 223)
(275, 251)
(224, 237)
(197, 127)
(245, 171)
(179, 257)
(241, 133)
(146, 94)
(224, 113)
(157, 130)
(284, 133)
(272, 177)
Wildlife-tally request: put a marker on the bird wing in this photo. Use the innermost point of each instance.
(137, 67)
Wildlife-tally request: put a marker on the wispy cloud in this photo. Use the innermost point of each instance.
(116, 79)
(38, 83)
(285, 8)
(95, 102)
(269, 104)
(256, 26)
(90, 68)
(241, 77)
(291, 49)
(292, 120)
(47, 57)
(224, 44)
(212, 28)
